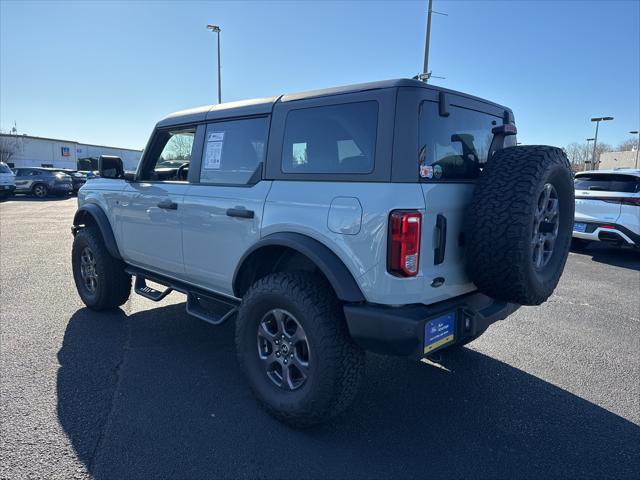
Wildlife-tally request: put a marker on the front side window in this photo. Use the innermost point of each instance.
(171, 162)
(233, 150)
(454, 147)
(337, 139)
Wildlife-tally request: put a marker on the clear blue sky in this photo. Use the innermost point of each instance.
(105, 72)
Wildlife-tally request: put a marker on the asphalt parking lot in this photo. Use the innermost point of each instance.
(149, 392)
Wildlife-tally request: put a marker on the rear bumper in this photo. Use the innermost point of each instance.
(7, 189)
(400, 330)
(617, 234)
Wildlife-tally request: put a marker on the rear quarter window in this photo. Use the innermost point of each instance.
(605, 182)
(454, 147)
(333, 139)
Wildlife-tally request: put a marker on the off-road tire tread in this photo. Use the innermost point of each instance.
(115, 282)
(345, 361)
(499, 214)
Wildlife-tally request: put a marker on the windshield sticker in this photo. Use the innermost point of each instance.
(437, 171)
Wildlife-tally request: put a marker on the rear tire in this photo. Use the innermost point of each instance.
(520, 224)
(101, 280)
(40, 190)
(335, 364)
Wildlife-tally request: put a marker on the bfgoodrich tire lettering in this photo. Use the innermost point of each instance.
(335, 363)
(101, 280)
(503, 224)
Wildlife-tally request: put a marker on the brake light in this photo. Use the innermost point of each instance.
(403, 256)
(608, 226)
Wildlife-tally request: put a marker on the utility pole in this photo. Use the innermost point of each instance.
(595, 139)
(636, 132)
(216, 29)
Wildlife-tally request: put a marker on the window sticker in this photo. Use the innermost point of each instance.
(216, 137)
(213, 156)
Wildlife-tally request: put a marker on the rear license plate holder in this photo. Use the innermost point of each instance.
(579, 227)
(439, 332)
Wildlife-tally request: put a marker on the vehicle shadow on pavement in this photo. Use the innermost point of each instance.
(611, 255)
(158, 394)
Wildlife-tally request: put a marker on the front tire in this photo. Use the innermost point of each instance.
(101, 280)
(294, 348)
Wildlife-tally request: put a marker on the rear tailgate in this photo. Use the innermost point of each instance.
(601, 196)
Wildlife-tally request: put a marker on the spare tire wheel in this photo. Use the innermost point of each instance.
(519, 224)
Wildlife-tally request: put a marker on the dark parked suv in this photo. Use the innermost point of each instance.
(41, 182)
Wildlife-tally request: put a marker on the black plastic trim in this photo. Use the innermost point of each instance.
(400, 330)
(103, 224)
(328, 262)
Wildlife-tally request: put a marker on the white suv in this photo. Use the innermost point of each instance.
(607, 207)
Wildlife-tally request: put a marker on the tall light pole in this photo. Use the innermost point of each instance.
(216, 29)
(588, 140)
(636, 132)
(426, 75)
(595, 140)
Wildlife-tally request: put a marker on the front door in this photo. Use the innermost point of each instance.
(223, 207)
(151, 208)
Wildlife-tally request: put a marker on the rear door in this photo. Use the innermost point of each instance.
(222, 209)
(454, 141)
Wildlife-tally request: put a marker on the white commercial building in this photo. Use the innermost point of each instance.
(28, 151)
(611, 160)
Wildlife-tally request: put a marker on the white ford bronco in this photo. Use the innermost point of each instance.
(394, 216)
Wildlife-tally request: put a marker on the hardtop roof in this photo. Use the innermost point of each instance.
(264, 105)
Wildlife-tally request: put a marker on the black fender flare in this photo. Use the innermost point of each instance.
(328, 263)
(101, 220)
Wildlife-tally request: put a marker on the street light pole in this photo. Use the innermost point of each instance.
(216, 29)
(636, 132)
(425, 68)
(595, 140)
(587, 152)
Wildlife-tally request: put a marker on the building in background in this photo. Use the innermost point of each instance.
(610, 160)
(28, 151)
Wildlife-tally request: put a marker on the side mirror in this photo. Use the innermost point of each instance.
(110, 166)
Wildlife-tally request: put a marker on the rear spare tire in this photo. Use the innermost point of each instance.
(519, 224)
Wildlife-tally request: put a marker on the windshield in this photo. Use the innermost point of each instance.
(604, 182)
(4, 168)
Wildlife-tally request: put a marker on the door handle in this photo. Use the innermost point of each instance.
(167, 204)
(240, 212)
(441, 239)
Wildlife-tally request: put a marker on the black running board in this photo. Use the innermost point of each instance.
(220, 309)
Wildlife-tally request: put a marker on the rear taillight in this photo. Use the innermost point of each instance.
(403, 256)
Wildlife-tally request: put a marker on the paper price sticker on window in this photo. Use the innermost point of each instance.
(213, 153)
(216, 137)
(213, 156)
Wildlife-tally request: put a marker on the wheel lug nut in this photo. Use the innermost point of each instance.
(291, 356)
(285, 361)
(282, 337)
(277, 354)
(277, 342)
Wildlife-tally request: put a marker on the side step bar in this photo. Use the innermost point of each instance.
(207, 306)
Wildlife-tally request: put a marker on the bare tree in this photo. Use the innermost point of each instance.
(10, 145)
(579, 154)
(628, 145)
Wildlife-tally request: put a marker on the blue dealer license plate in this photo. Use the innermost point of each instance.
(579, 227)
(439, 332)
